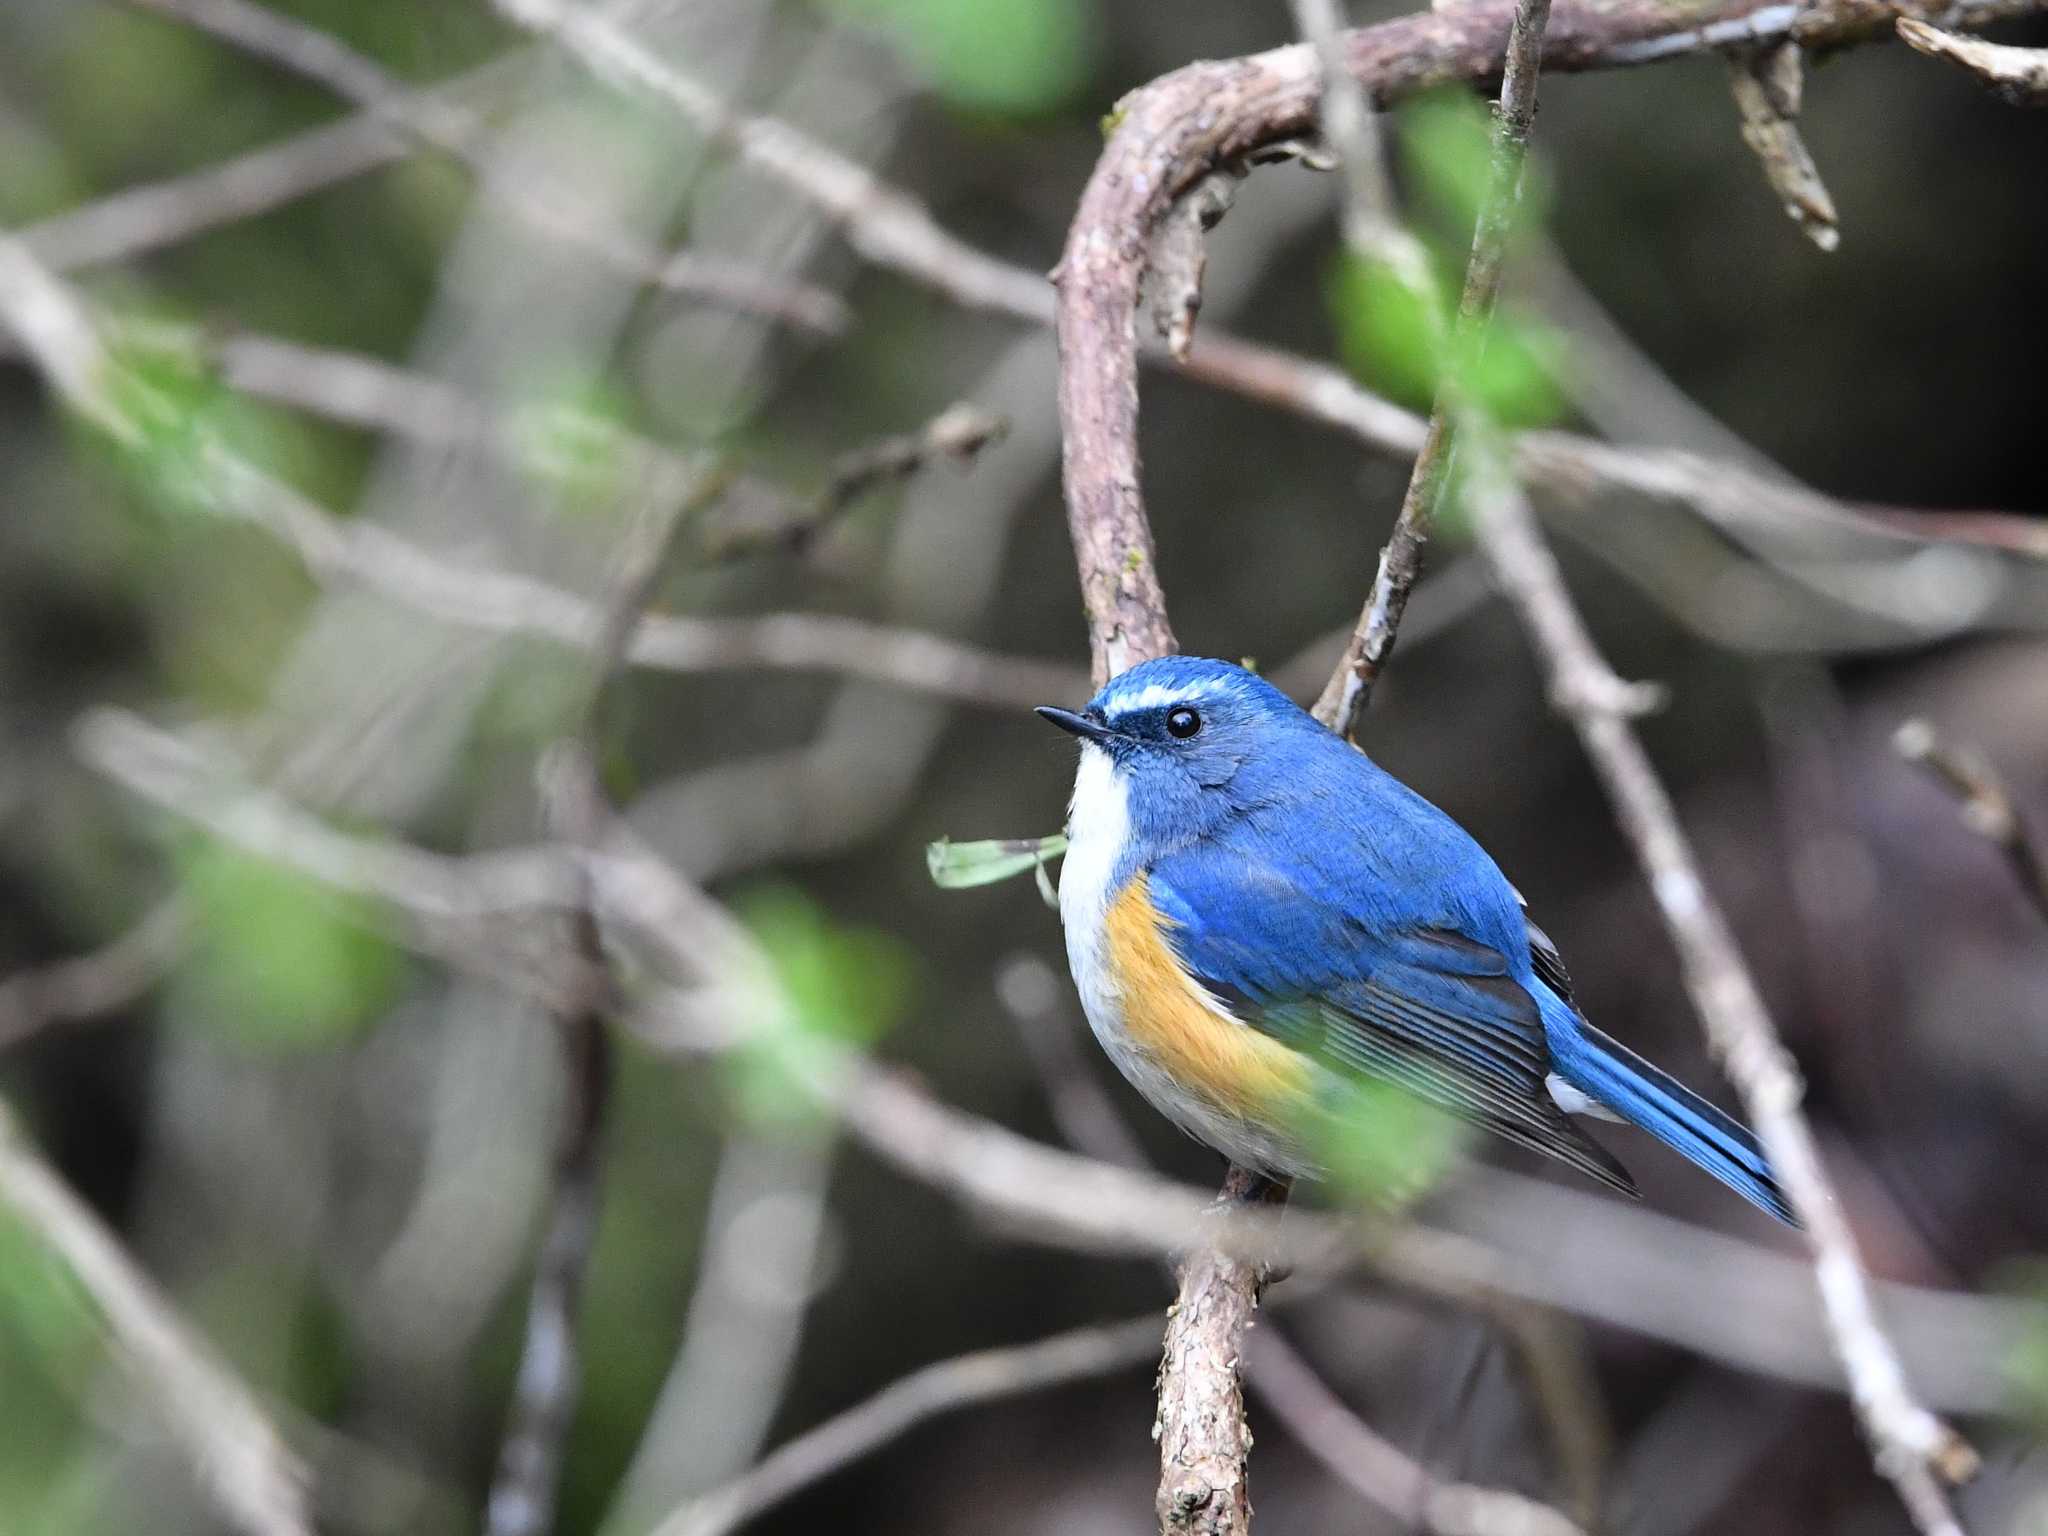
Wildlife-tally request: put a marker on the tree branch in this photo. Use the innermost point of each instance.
(240, 1458)
(1401, 562)
(1986, 804)
(91, 985)
(1910, 1443)
(965, 1381)
(2017, 76)
(1383, 1474)
(523, 1494)
(440, 122)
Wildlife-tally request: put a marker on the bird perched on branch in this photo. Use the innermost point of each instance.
(1258, 917)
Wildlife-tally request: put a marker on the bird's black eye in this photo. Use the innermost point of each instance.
(1183, 722)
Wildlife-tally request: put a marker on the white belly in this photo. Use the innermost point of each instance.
(1098, 831)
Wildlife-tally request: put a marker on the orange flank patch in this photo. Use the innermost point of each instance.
(1170, 1016)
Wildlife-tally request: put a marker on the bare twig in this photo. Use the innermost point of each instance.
(1986, 804)
(1400, 563)
(141, 219)
(965, 1381)
(522, 1499)
(242, 1461)
(439, 121)
(1376, 1468)
(1911, 1445)
(1180, 258)
(1205, 1442)
(1372, 225)
(885, 225)
(767, 1240)
(1767, 84)
(958, 434)
(2018, 76)
(755, 514)
(91, 985)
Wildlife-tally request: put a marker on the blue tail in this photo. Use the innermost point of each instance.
(1605, 1069)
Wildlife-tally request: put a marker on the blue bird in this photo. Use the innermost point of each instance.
(1256, 913)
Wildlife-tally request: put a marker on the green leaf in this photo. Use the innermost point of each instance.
(1446, 140)
(282, 963)
(1385, 1145)
(846, 987)
(1007, 58)
(43, 1305)
(574, 444)
(1389, 332)
(173, 401)
(1510, 370)
(2026, 1366)
(956, 866)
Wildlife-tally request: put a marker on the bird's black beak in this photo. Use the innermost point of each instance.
(1080, 725)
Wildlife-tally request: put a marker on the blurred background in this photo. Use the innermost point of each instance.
(333, 1156)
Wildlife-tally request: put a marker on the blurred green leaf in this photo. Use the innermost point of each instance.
(1384, 1145)
(282, 963)
(1446, 143)
(1007, 58)
(846, 987)
(1389, 333)
(2026, 1368)
(1446, 146)
(42, 1304)
(575, 442)
(957, 866)
(160, 385)
(1511, 369)
(126, 86)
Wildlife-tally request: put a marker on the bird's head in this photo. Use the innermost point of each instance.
(1186, 741)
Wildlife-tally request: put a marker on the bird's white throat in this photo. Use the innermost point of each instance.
(1098, 827)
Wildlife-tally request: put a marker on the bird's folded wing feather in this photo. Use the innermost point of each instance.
(1423, 1005)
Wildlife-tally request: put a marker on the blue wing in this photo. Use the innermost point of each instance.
(1408, 961)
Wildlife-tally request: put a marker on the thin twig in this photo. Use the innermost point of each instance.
(965, 1381)
(755, 515)
(241, 1460)
(440, 122)
(1372, 224)
(94, 984)
(523, 1494)
(1400, 563)
(2017, 76)
(1986, 804)
(957, 434)
(767, 1235)
(1911, 1444)
(1378, 1470)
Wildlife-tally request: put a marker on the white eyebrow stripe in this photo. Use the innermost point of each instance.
(1154, 695)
